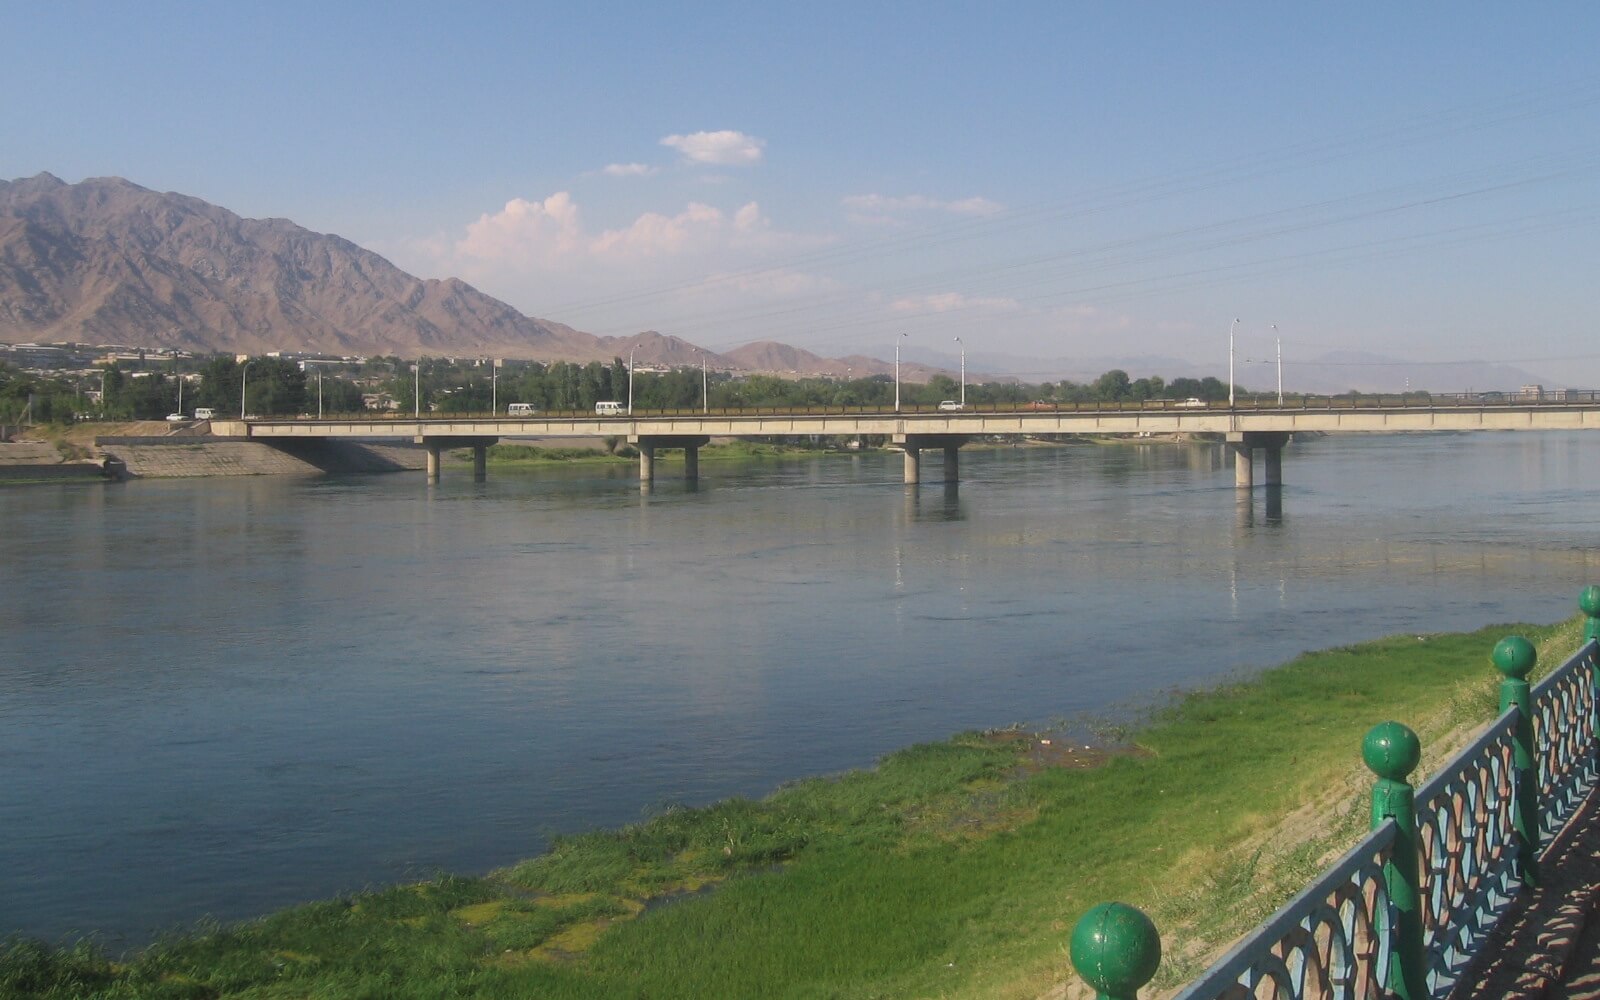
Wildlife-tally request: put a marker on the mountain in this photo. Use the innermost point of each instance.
(107, 261)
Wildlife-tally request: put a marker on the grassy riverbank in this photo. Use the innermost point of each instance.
(953, 869)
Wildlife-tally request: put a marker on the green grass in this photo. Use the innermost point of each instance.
(952, 869)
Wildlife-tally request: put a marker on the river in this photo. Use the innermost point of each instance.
(223, 696)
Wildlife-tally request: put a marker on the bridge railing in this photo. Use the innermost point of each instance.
(1406, 911)
(1406, 401)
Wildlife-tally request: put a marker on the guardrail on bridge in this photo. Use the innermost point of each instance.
(1405, 911)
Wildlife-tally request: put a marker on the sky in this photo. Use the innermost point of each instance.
(1055, 180)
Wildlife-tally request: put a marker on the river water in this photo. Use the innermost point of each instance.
(223, 696)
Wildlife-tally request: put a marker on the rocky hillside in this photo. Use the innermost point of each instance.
(107, 261)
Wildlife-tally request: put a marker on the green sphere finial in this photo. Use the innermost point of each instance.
(1514, 656)
(1589, 601)
(1391, 750)
(1116, 949)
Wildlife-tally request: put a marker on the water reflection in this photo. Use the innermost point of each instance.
(939, 502)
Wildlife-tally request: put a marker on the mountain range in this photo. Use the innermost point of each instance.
(106, 261)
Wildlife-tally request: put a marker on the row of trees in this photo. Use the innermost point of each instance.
(275, 386)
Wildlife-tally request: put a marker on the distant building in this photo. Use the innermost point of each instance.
(1531, 392)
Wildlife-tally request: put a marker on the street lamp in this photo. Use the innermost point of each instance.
(963, 373)
(630, 379)
(319, 393)
(494, 385)
(1279, 342)
(705, 390)
(897, 372)
(244, 380)
(416, 391)
(1230, 362)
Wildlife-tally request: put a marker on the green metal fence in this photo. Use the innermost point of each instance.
(1406, 911)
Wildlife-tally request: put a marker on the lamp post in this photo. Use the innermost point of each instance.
(1231, 327)
(630, 379)
(897, 372)
(705, 385)
(319, 393)
(416, 391)
(244, 380)
(494, 385)
(963, 373)
(103, 392)
(1279, 342)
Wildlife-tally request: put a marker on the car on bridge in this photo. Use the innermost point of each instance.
(951, 404)
(1192, 403)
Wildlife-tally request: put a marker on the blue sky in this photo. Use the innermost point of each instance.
(1053, 180)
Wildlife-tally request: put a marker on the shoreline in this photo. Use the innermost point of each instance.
(1018, 824)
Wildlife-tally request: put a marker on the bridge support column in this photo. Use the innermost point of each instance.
(435, 447)
(1274, 470)
(1244, 444)
(913, 445)
(649, 443)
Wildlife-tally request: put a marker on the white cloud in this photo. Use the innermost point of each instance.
(550, 233)
(723, 149)
(629, 170)
(878, 208)
(523, 229)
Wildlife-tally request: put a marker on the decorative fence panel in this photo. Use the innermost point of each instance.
(1407, 910)
(1331, 942)
(1564, 738)
(1467, 872)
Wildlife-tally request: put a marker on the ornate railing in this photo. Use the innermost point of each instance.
(1407, 910)
(1330, 941)
(1468, 851)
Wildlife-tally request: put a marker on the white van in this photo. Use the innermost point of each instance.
(204, 413)
(520, 410)
(609, 409)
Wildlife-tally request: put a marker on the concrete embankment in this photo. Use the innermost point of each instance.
(32, 462)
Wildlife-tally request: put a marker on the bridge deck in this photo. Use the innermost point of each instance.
(1341, 419)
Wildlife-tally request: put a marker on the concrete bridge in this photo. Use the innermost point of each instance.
(1246, 429)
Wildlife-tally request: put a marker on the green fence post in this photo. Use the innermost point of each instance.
(1115, 949)
(1589, 604)
(1392, 751)
(1514, 657)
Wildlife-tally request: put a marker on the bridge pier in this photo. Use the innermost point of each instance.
(436, 446)
(647, 465)
(913, 445)
(1244, 444)
(648, 443)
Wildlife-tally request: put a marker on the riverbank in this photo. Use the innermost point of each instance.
(954, 869)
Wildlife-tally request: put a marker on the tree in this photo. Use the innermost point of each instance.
(1113, 385)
